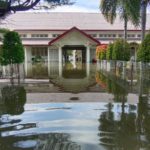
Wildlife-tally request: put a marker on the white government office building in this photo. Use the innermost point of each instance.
(49, 34)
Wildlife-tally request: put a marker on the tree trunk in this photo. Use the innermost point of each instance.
(143, 18)
(11, 74)
(18, 71)
(125, 28)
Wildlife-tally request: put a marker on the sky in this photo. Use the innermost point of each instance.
(80, 6)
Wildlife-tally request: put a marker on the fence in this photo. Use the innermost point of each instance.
(5, 72)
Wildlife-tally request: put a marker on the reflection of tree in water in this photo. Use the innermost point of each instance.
(130, 131)
(126, 135)
(119, 132)
(56, 141)
(117, 86)
(119, 91)
(52, 141)
(14, 98)
(143, 121)
(107, 127)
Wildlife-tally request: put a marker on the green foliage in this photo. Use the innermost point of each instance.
(109, 52)
(12, 49)
(37, 59)
(103, 55)
(121, 50)
(143, 53)
(3, 4)
(39, 71)
(7, 6)
(128, 9)
(3, 30)
(14, 98)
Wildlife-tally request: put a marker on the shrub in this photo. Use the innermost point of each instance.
(12, 49)
(121, 50)
(109, 52)
(101, 52)
(143, 53)
(12, 52)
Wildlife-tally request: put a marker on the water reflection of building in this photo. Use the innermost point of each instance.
(72, 79)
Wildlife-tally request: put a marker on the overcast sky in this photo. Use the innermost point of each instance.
(80, 6)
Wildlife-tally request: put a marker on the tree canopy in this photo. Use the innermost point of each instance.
(127, 10)
(12, 49)
(109, 52)
(144, 50)
(7, 6)
(121, 50)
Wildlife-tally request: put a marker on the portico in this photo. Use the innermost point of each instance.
(74, 41)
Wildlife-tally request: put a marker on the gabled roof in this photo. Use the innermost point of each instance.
(39, 21)
(74, 29)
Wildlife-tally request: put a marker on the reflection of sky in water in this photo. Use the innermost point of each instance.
(78, 120)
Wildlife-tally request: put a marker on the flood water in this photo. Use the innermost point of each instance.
(116, 125)
(80, 126)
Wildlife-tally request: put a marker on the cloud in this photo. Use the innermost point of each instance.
(73, 8)
(80, 6)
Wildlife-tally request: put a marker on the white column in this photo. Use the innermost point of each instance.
(60, 61)
(26, 61)
(87, 61)
(4, 71)
(48, 61)
(88, 54)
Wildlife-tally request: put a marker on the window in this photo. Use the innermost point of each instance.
(114, 35)
(131, 35)
(55, 35)
(23, 35)
(94, 35)
(101, 35)
(120, 35)
(39, 51)
(139, 35)
(107, 35)
(39, 35)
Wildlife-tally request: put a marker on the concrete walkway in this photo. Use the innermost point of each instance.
(61, 97)
(70, 97)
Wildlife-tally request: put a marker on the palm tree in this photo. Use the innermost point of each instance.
(128, 11)
(144, 5)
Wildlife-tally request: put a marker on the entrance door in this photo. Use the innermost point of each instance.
(74, 59)
(77, 53)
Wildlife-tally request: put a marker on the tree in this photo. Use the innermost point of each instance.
(12, 52)
(2, 33)
(144, 5)
(143, 53)
(121, 50)
(101, 52)
(7, 6)
(109, 52)
(127, 10)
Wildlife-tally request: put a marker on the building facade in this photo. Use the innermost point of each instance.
(48, 36)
